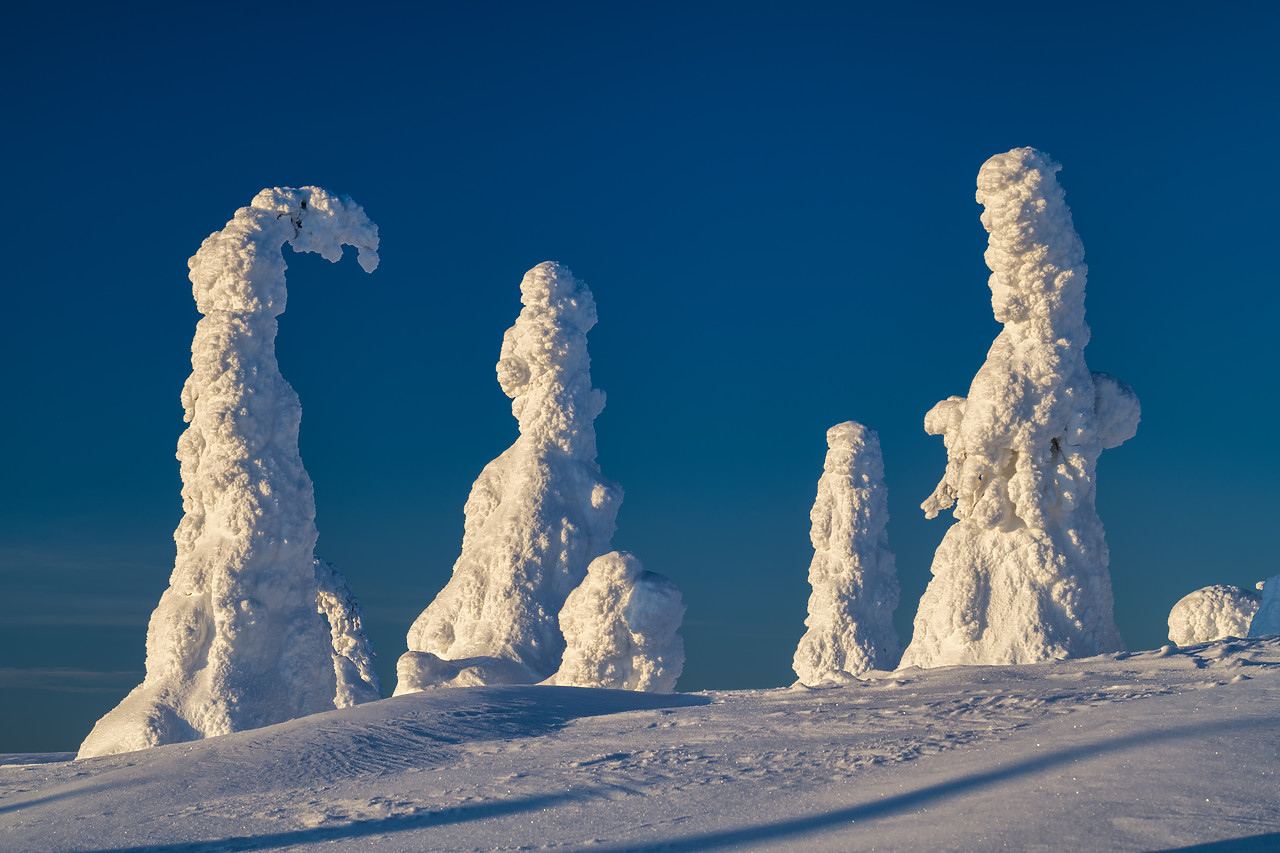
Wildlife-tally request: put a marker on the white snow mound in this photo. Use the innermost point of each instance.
(1212, 613)
(854, 579)
(537, 515)
(620, 626)
(236, 641)
(1022, 576)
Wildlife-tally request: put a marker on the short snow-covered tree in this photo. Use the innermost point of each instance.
(537, 515)
(237, 641)
(1267, 620)
(854, 580)
(1023, 574)
(1212, 613)
(620, 628)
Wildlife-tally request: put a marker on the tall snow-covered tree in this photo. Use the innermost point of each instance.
(237, 640)
(1023, 574)
(1267, 620)
(537, 515)
(854, 580)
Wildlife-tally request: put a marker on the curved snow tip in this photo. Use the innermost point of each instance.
(848, 435)
(1003, 168)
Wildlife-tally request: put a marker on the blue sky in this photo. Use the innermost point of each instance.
(773, 207)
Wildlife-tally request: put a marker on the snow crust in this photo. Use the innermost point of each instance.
(620, 628)
(236, 641)
(536, 516)
(1212, 613)
(1023, 574)
(854, 579)
(1267, 620)
(1136, 752)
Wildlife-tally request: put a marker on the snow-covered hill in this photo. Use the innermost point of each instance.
(1148, 751)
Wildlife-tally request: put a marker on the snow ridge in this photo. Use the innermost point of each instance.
(1022, 576)
(236, 641)
(854, 579)
(536, 516)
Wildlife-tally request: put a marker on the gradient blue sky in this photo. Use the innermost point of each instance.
(773, 206)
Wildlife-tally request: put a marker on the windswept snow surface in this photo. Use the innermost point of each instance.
(1212, 613)
(620, 628)
(537, 515)
(1122, 752)
(236, 641)
(854, 580)
(1022, 576)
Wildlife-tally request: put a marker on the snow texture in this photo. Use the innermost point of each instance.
(352, 651)
(854, 580)
(1266, 621)
(1126, 752)
(1022, 576)
(236, 641)
(536, 516)
(620, 626)
(1212, 613)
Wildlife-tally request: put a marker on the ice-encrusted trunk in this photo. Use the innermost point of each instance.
(621, 628)
(537, 515)
(854, 580)
(236, 641)
(1022, 576)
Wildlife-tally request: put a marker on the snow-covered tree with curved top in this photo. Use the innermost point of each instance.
(537, 515)
(1267, 620)
(854, 580)
(236, 641)
(620, 628)
(352, 650)
(1022, 576)
(1212, 613)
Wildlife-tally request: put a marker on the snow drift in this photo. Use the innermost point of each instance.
(620, 628)
(854, 580)
(1212, 613)
(536, 516)
(237, 641)
(1022, 576)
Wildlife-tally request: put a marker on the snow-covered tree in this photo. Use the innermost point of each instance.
(620, 626)
(352, 650)
(236, 641)
(1267, 620)
(536, 516)
(1022, 576)
(854, 580)
(1212, 613)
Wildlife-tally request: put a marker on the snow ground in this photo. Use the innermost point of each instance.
(1160, 750)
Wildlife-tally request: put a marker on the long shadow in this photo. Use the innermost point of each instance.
(1266, 843)
(362, 829)
(924, 796)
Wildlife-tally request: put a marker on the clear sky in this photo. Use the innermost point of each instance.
(773, 205)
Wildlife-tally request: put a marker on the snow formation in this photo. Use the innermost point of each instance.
(236, 641)
(1212, 613)
(855, 583)
(352, 651)
(1022, 576)
(536, 516)
(620, 628)
(1267, 620)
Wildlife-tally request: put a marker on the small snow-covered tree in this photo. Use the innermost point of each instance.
(1267, 620)
(1022, 576)
(537, 515)
(620, 626)
(854, 580)
(236, 641)
(352, 650)
(1212, 613)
